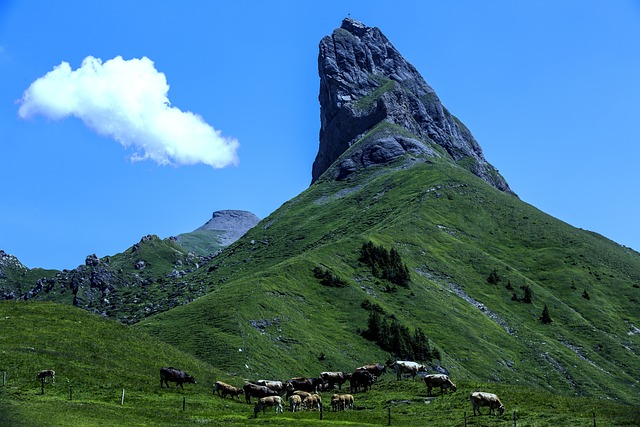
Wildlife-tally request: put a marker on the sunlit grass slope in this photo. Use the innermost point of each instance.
(268, 316)
(95, 359)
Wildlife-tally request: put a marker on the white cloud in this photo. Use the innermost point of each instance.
(127, 101)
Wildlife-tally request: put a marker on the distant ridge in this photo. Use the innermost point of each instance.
(232, 224)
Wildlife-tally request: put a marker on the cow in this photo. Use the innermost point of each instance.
(223, 389)
(311, 385)
(402, 367)
(479, 399)
(375, 369)
(254, 390)
(301, 393)
(339, 402)
(295, 401)
(361, 378)
(277, 386)
(333, 378)
(312, 401)
(438, 380)
(174, 375)
(263, 402)
(42, 375)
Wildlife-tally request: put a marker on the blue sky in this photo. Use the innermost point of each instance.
(550, 89)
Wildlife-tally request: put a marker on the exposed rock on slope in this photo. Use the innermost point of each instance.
(365, 82)
(231, 223)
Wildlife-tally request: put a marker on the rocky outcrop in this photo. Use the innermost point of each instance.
(232, 224)
(373, 100)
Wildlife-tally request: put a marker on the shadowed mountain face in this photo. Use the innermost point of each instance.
(365, 83)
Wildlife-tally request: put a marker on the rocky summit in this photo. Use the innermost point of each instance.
(231, 223)
(373, 100)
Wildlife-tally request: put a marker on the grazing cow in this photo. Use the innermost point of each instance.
(479, 399)
(311, 385)
(174, 375)
(254, 390)
(263, 402)
(223, 389)
(339, 402)
(402, 367)
(301, 393)
(361, 379)
(47, 373)
(375, 369)
(277, 386)
(333, 378)
(438, 380)
(312, 401)
(295, 401)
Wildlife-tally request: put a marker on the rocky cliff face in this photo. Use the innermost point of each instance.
(367, 86)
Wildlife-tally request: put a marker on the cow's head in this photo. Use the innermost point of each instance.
(190, 379)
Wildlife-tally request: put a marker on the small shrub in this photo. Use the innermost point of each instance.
(327, 278)
(493, 278)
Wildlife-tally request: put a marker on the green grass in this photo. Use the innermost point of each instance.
(100, 357)
(450, 228)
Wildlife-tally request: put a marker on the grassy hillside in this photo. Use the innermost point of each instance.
(201, 242)
(96, 359)
(269, 316)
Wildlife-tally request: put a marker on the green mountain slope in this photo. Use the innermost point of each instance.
(94, 360)
(268, 315)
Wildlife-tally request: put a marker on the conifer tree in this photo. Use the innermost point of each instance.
(545, 317)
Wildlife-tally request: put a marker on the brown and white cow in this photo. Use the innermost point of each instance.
(271, 401)
(259, 391)
(402, 367)
(439, 380)
(312, 402)
(222, 389)
(277, 386)
(47, 373)
(174, 375)
(491, 400)
(340, 402)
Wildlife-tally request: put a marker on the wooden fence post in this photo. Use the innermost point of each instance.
(321, 406)
(4, 378)
(465, 418)
(122, 399)
(594, 419)
(42, 384)
(70, 392)
(514, 418)
(184, 402)
(389, 416)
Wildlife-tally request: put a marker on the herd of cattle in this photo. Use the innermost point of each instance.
(304, 393)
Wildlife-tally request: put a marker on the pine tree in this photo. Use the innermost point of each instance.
(545, 317)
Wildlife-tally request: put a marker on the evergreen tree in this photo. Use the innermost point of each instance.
(545, 317)
(528, 294)
(493, 278)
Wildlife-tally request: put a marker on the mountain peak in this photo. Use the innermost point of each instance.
(231, 223)
(366, 85)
